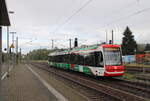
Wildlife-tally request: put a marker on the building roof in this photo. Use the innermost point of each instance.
(4, 18)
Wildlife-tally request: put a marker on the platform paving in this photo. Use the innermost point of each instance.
(69, 93)
(4, 68)
(22, 85)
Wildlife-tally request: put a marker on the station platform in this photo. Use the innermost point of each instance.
(4, 68)
(29, 83)
(22, 85)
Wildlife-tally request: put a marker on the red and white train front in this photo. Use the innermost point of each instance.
(112, 60)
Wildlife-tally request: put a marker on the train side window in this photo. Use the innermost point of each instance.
(50, 59)
(76, 59)
(53, 58)
(60, 58)
(92, 59)
(98, 59)
(89, 59)
(86, 60)
(63, 58)
(66, 58)
(72, 58)
(80, 59)
(101, 59)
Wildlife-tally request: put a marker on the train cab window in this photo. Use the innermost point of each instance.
(112, 56)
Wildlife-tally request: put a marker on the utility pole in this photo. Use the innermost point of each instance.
(13, 55)
(8, 50)
(106, 37)
(16, 50)
(52, 44)
(20, 55)
(13, 38)
(70, 43)
(112, 37)
(7, 39)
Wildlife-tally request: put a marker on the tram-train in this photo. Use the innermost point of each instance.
(97, 60)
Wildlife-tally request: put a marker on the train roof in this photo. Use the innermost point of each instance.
(83, 49)
(75, 50)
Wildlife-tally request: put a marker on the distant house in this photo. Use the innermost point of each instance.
(147, 56)
(129, 59)
(141, 47)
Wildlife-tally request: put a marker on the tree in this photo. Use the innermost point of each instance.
(147, 47)
(39, 54)
(128, 45)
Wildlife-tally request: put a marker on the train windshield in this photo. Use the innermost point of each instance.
(112, 56)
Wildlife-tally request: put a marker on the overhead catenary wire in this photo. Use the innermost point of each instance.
(75, 13)
(114, 21)
(27, 42)
(123, 18)
(61, 44)
(125, 7)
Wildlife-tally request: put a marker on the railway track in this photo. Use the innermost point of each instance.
(136, 70)
(143, 78)
(105, 89)
(139, 73)
(136, 89)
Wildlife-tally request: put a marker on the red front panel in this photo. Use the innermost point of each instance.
(114, 70)
(110, 45)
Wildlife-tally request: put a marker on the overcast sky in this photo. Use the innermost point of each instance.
(37, 22)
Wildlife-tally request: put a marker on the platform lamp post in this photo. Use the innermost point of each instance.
(10, 12)
(12, 46)
(20, 57)
(16, 50)
(8, 49)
